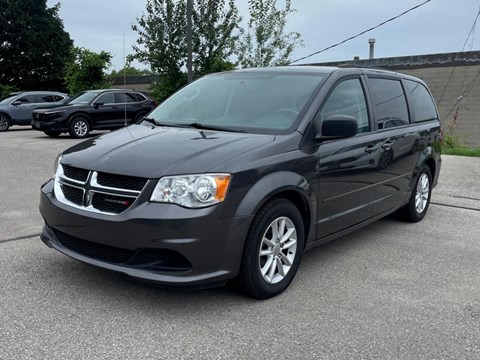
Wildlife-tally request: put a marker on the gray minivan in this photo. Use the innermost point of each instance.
(235, 175)
(16, 108)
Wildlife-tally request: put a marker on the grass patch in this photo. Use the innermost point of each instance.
(460, 150)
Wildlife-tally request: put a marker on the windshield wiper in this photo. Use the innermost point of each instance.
(197, 125)
(150, 120)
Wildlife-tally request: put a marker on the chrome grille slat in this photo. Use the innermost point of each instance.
(95, 196)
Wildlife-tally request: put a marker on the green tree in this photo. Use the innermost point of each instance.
(129, 70)
(87, 70)
(34, 47)
(265, 42)
(162, 41)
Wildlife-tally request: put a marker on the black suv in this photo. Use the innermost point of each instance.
(93, 110)
(236, 174)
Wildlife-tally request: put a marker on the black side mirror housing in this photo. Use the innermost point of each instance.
(97, 104)
(16, 103)
(338, 127)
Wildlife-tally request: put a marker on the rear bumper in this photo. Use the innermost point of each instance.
(160, 243)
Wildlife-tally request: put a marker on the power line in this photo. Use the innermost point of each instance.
(472, 29)
(361, 33)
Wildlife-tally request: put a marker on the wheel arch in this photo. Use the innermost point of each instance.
(9, 117)
(80, 115)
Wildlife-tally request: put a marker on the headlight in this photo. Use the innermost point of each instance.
(56, 164)
(192, 191)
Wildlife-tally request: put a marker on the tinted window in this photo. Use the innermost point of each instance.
(348, 98)
(46, 98)
(128, 97)
(108, 98)
(421, 101)
(389, 102)
(57, 98)
(137, 97)
(27, 99)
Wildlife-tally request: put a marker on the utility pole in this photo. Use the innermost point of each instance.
(189, 42)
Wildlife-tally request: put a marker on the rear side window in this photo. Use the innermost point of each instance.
(137, 97)
(348, 98)
(421, 101)
(390, 104)
(46, 98)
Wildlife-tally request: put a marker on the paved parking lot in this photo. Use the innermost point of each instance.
(390, 291)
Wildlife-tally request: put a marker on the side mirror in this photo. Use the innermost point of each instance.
(16, 103)
(97, 104)
(338, 127)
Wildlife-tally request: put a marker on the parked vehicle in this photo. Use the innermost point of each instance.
(93, 110)
(16, 108)
(236, 174)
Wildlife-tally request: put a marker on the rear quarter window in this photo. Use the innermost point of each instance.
(420, 101)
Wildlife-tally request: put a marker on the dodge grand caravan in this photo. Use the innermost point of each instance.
(235, 175)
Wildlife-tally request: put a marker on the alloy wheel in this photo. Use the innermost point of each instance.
(80, 128)
(277, 250)
(421, 196)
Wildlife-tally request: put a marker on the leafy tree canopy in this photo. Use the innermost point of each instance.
(129, 70)
(34, 47)
(265, 42)
(87, 70)
(162, 41)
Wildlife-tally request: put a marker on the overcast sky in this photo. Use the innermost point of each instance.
(437, 27)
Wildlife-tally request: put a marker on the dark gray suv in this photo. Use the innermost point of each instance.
(16, 108)
(235, 175)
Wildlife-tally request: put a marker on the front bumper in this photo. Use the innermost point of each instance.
(161, 243)
(49, 125)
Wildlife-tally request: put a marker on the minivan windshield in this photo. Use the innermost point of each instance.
(260, 102)
(83, 98)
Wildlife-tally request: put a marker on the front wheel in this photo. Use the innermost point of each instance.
(4, 122)
(419, 201)
(79, 128)
(272, 251)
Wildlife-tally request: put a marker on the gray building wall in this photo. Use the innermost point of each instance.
(455, 76)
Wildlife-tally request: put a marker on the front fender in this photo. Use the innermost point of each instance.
(273, 185)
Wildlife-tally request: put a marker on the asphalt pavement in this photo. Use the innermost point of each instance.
(392, 290)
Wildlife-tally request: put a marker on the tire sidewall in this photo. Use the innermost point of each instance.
(259, 288)
(72, 127)
(6, 118)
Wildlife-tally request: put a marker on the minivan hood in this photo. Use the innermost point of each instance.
(151, 151)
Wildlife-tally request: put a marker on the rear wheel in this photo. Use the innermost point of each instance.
(79, 128)
(4, 122)
(420, 199)
(272, 251)
(52, 133)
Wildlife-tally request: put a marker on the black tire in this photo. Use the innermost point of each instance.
(52, 133)
(419, 201)
(79, 127)
(250, 279)
(4, 122)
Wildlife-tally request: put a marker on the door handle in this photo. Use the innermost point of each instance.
(387, 145)
(371, 148)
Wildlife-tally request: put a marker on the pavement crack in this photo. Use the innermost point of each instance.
(464, 197)
(455, 206)
(26, 237)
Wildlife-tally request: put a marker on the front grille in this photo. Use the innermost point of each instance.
(121, 181)
(101, 252)
(75, 173)
(39, 116)
(96, 191)
(72, 194)
(111, 203)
